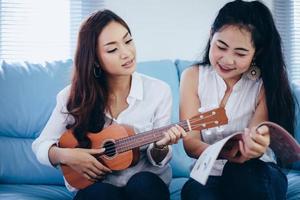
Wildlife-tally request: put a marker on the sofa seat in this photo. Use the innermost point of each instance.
(293, 185)
(56, 192)
(34, 192)
(176, 186)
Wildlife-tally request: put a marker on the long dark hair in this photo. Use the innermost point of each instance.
(89, 95)
(257, 19)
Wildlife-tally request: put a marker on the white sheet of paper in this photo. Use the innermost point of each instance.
(206, 160)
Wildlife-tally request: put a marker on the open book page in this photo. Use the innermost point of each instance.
(206, 160)
(285, 147)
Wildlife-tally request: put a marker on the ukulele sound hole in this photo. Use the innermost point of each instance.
(110, 149)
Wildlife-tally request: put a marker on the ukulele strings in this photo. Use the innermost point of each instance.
(131, 142)
(123, 142)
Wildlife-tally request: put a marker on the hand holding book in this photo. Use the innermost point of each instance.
(252, 144)
(285, 147)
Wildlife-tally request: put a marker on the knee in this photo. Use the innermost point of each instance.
(144, 179)
(99, 189)
(252, 179)
(250, 170)
(147, 185)
(190, 189)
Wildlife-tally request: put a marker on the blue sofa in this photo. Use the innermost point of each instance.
(28, 94)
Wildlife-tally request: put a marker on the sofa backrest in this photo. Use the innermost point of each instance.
(296, 90)
(28, 94)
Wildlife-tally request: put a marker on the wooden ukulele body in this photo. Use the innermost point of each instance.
(111, 157)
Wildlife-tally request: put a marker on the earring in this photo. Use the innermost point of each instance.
(97, 70)
(253, 72)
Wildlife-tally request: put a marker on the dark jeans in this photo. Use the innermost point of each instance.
(141, 186)
(253, 179)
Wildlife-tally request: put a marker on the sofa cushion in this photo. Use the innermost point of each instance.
(28, 94)
(181, 65)
(164, 70)
(175, 187)
(293, 185)
(296, 90)
(18, 164)
(34, 192)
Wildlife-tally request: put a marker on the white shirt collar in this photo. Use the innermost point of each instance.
(136, 88)
(135, 93)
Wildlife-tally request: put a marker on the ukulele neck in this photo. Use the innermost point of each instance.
(141, 139)
(209, 119)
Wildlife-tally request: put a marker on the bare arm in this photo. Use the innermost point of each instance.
(189, 105)
(261, 111)
(255, 142)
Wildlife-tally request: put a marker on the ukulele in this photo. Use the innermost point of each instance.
(121, 143)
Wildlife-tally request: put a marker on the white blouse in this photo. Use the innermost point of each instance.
(150, 103)
(240, 108)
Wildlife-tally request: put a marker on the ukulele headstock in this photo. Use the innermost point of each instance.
(209, 119)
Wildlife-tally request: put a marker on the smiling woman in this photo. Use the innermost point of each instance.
(243, 41)
(231, 53)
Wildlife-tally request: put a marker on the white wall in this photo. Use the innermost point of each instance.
(169, 29)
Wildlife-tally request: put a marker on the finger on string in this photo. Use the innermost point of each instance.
(176, 131)
(182, 131)
(172, 137)
(164, 140)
